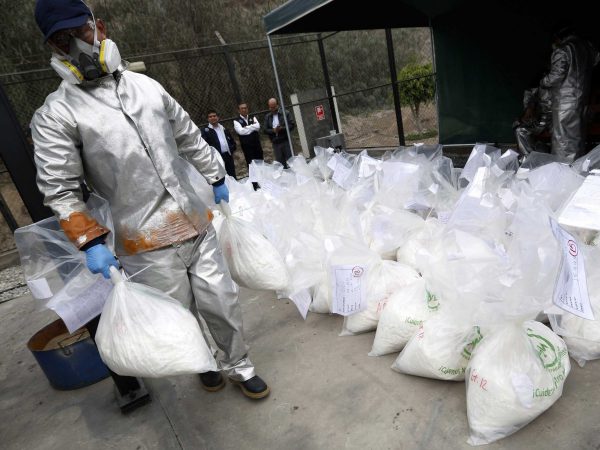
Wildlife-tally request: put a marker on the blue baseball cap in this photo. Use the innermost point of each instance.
(55, 15)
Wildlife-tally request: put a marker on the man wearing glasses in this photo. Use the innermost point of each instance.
(131, 141)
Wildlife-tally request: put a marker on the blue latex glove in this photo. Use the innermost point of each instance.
(99, 259)
(221, 193)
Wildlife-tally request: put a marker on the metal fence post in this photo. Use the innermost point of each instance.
(334, 120)
(287, 127)
(230, 69)
(15, 154)
(395, 91)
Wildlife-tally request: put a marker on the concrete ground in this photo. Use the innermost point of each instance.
(326, 394)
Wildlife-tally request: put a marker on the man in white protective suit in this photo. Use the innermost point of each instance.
(130, 141)
(569, 81)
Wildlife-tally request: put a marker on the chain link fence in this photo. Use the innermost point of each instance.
(13, 211)
(218, 77)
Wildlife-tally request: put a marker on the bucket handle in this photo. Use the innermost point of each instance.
(67, 351)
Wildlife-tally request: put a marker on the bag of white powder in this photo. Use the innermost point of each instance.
(516, 373)
(405, 312)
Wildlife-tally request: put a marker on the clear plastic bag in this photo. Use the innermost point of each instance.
(461, 270)
(253, 261)
(419, 240)
(554, 183)
(56, 272)
(482, 155)
(536, 159)
(515, 374)
(49, 260)
(581, 335)
(319, 163)
(440, 349)
(585, 164)
(383, 280)
(386, 229)
(340, 251)
(405, 312)
(145, 333)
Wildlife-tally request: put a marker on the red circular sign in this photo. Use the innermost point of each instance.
(572, 247)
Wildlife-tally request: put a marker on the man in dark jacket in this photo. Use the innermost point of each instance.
(221, 139)
(248, 129)
(274, 127)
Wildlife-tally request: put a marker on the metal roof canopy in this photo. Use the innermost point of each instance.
(304, 16)
(485, 53)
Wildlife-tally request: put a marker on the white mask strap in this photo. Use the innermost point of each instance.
(96, 42)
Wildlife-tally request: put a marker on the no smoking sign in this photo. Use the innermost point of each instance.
(320, 112)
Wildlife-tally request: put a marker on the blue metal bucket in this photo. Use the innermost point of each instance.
(69, 361)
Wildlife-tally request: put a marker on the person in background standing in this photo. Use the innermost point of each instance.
(247, 129)
(220, 138)
(274, 127)
(569, 82)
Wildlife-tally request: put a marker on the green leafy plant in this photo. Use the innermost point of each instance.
(417, 87)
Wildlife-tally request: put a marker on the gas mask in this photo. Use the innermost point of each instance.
(86, 61)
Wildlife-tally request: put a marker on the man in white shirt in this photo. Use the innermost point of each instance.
(221, 139)
(248, 129)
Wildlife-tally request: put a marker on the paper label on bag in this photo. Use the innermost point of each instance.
(86, 306)
(333, 162)
(570, 291)
(302, 300)
(341, 174)
(507, 198)
(301, 179)
(349, 283)
(253, 173)
(368, 166)
(271, 188)
(40, 289)
(444, 216)
(583, 209)
(400, 173)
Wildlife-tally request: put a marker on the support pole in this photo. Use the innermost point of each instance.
(435, 79)
(281, 102)
(15, 152)
(334, 120)
(8, 217)
(230, 69)
(395, 91)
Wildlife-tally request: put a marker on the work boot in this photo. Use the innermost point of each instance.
(133, 399)
(212, 381)
(254, 388)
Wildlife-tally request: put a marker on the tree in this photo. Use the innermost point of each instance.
(417, 86)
